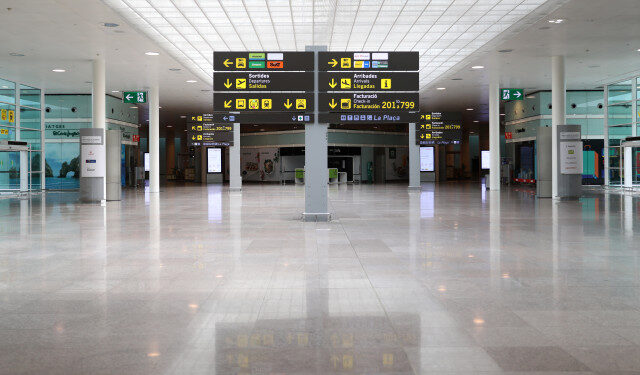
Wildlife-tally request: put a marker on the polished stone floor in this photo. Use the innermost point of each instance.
(447, 280)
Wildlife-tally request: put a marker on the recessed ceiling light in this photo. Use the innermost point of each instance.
(183, 116)
(191, 81)
(175, 69)
(5, 86)
(469, 109)
(477, 67)
(110, 24)
(169, 126)
(441, 88)
(638, 49)
(151, 53)
(502, 114)
(59, 70)
(115, 91)
(476, 121)
(15, 54)
(134, 107)
(557, 20)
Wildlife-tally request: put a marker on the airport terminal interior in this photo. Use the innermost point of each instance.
(270, 187)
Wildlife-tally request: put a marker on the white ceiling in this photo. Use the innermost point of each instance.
(598, 38)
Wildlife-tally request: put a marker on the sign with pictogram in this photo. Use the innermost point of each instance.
(368, 81)
(437, 128)
(263, 81)
(512, 94)
(247, 61)
(370, 101)
(277, 102)
(368, 61)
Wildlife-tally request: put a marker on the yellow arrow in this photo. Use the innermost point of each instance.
(227, 63)
(333, 63)
(193, 137)
(333, 103)
(333, 83)
(227, 104)
(228, 83)
(288, 104)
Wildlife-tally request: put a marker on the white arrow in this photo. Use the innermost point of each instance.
(225, 118)
(517, 94)
(128, 97)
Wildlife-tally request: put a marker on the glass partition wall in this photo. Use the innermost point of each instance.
(21, 120)
(621, 122)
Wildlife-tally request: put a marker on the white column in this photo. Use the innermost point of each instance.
(42, 141)
(98, 114)
(154, 140)
(235, 178)
(606, 135)
(414, 158)
(558, 113)
(628, 167)
(494, 134)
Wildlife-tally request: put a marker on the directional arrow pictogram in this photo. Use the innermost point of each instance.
(228, 83)
(227, 63)
(288, 104)
(517, 94)
(227, 103)
(333, 83)
(128, 97)
(332, 103)
(333, 63)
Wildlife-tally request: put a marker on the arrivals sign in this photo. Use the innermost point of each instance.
(437, 128)
(134, 97)
(269, 61)
(368, 61)
(368, 81)
(512, 94)
(263, 81)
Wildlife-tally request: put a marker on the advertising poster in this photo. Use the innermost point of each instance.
(426, 159)
(249, 161)
(269, 164)
(398, 168)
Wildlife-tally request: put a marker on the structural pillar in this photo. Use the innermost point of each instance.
(628, 167)
(154, 140)
(606, 136)
(316, 175)
(170, 150)
(494, 134)
(558, 115)
(414, 158)
(235, 178)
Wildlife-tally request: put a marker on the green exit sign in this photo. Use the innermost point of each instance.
(512, 94)
(134, 97)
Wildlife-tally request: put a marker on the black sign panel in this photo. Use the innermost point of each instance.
(368, 61)
(260, 118)
(208, 127)
(223, 138)
(368, 118)
(230, 102)
(436, 128)
(206, 117)
(263, 81)
(375, 102)
(257, 61)
(368, 81)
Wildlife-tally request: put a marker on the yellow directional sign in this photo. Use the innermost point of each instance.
(332, 62)
(227, 63)
(345, 63)
(301, 103)
(241, 103)
(228, 83)
(345, 103)
(241, 83)
(333, 83)
(332, 103)
(227, 103)
(288, 104)
(385, 83)
(254, 103)
(3, 114)
(266, 103)
(241, 63)
(345, 83)
(199, 118)
(199, 128)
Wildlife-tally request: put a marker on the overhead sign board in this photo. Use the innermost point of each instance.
(209, 127)
(286, 102)
(367, 118)
(512, 94)
(378, 102)
(260, 118)
(263, 81)
(368, 81)
(436, 128)
(134, 97)
(269, 61)
(210, 138)
(371, 61)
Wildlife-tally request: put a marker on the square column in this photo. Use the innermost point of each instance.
(414, 159)
(235, 178)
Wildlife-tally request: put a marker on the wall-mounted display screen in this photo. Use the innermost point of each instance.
(146, 162)
(427, 159)
(214, 160)
(485, 159)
